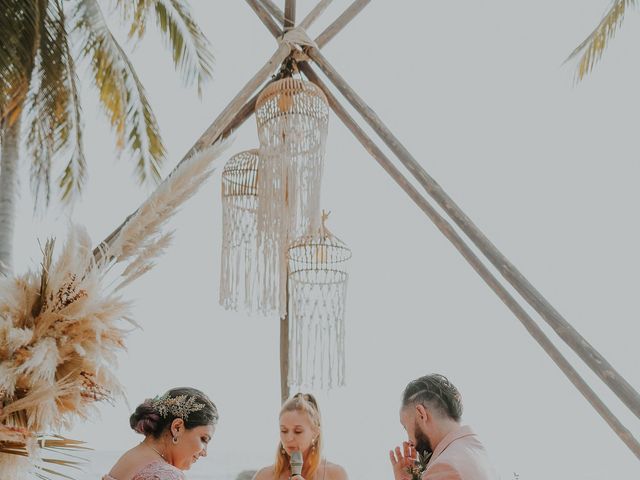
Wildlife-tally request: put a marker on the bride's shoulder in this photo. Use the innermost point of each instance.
(336, 472)
(159, 470)
(265, 473)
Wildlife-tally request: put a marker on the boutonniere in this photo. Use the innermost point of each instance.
(419, 466)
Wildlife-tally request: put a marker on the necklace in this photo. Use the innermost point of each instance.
(155, 450)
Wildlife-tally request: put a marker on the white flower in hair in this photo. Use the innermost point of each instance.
(179, 406)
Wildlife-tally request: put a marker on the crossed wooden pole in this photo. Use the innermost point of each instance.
(242, 106)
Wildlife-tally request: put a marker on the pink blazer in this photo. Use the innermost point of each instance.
(460, 456)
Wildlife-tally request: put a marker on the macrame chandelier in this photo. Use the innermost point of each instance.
(239, 272)
(292, 117)
(278, 257)
(317, 296)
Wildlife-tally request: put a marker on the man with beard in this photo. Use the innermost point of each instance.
(430, 414)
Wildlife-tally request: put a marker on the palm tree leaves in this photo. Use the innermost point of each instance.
(120, 91)
(38, 77)
(73, 176)
(19, 21)
(53, 109)
(592, 48)
(190, 48)
(191, 54)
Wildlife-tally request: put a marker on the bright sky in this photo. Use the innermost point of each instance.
(477, 91)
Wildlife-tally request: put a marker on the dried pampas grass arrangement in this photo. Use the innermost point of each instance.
(63, 325)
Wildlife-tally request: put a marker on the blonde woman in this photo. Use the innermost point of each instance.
(301, 430)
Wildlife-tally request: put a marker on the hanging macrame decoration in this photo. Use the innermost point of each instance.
(239, 275)
(317, 295)
(292, 117)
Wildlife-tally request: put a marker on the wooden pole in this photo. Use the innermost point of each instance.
(284, 350)
(289, 22)
(268, 7)
(289, 14)
(230, 116)
(588, 354)
(449, 232)
(274, 10)
(340, 22)
(266, 18)
(314, 14)
(284, 321)
(564, 329)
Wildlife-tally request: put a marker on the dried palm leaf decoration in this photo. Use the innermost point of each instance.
(239, 288)
(317, 296)
(292, 117)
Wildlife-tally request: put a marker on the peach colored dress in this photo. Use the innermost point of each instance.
(157, 470)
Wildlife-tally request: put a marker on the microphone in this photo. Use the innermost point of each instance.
(296, 462)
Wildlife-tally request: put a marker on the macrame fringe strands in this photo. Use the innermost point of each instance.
(292, 118)
(239, 273)
(317, 297)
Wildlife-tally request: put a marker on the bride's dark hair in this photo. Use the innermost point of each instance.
(147, 420)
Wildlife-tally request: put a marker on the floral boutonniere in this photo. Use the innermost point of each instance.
(419, 466)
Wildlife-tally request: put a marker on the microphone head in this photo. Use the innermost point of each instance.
(296, 463)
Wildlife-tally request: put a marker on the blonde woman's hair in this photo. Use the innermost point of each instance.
(302, 402)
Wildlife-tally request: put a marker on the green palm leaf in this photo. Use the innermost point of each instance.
(53, 109)
(74, 175)
(592, 48)
(121, 93)
(19, 24)
(190, 48)
(38, 76)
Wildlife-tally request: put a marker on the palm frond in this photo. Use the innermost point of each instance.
(592, 48)
(20, 26)
(39, 144)
(56, 444)
(190, 48)
(50, 471)
(120, 91)
(136, 14)
(53, 110)
(74, 175)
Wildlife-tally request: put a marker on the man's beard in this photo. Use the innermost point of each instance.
(423, 444)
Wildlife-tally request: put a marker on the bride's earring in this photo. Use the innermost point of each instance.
(282, 450)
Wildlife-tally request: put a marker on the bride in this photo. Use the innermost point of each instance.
(300, 430)
(177, 428)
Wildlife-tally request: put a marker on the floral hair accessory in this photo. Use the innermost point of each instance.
(179, 406)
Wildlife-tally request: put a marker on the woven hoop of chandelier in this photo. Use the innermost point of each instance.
(239, 272)
(317, 297)
(292, 117)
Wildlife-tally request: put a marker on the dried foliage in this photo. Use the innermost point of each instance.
(63, 325)
(592, 48)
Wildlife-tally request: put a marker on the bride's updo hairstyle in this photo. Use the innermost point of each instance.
(154, 416)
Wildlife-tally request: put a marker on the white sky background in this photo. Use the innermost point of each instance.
(549, 171)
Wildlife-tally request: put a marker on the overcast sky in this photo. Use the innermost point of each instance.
(478, 92)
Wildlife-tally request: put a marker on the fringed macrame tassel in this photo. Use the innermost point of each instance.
(240, 262)
(292, 118)
(317, 299)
